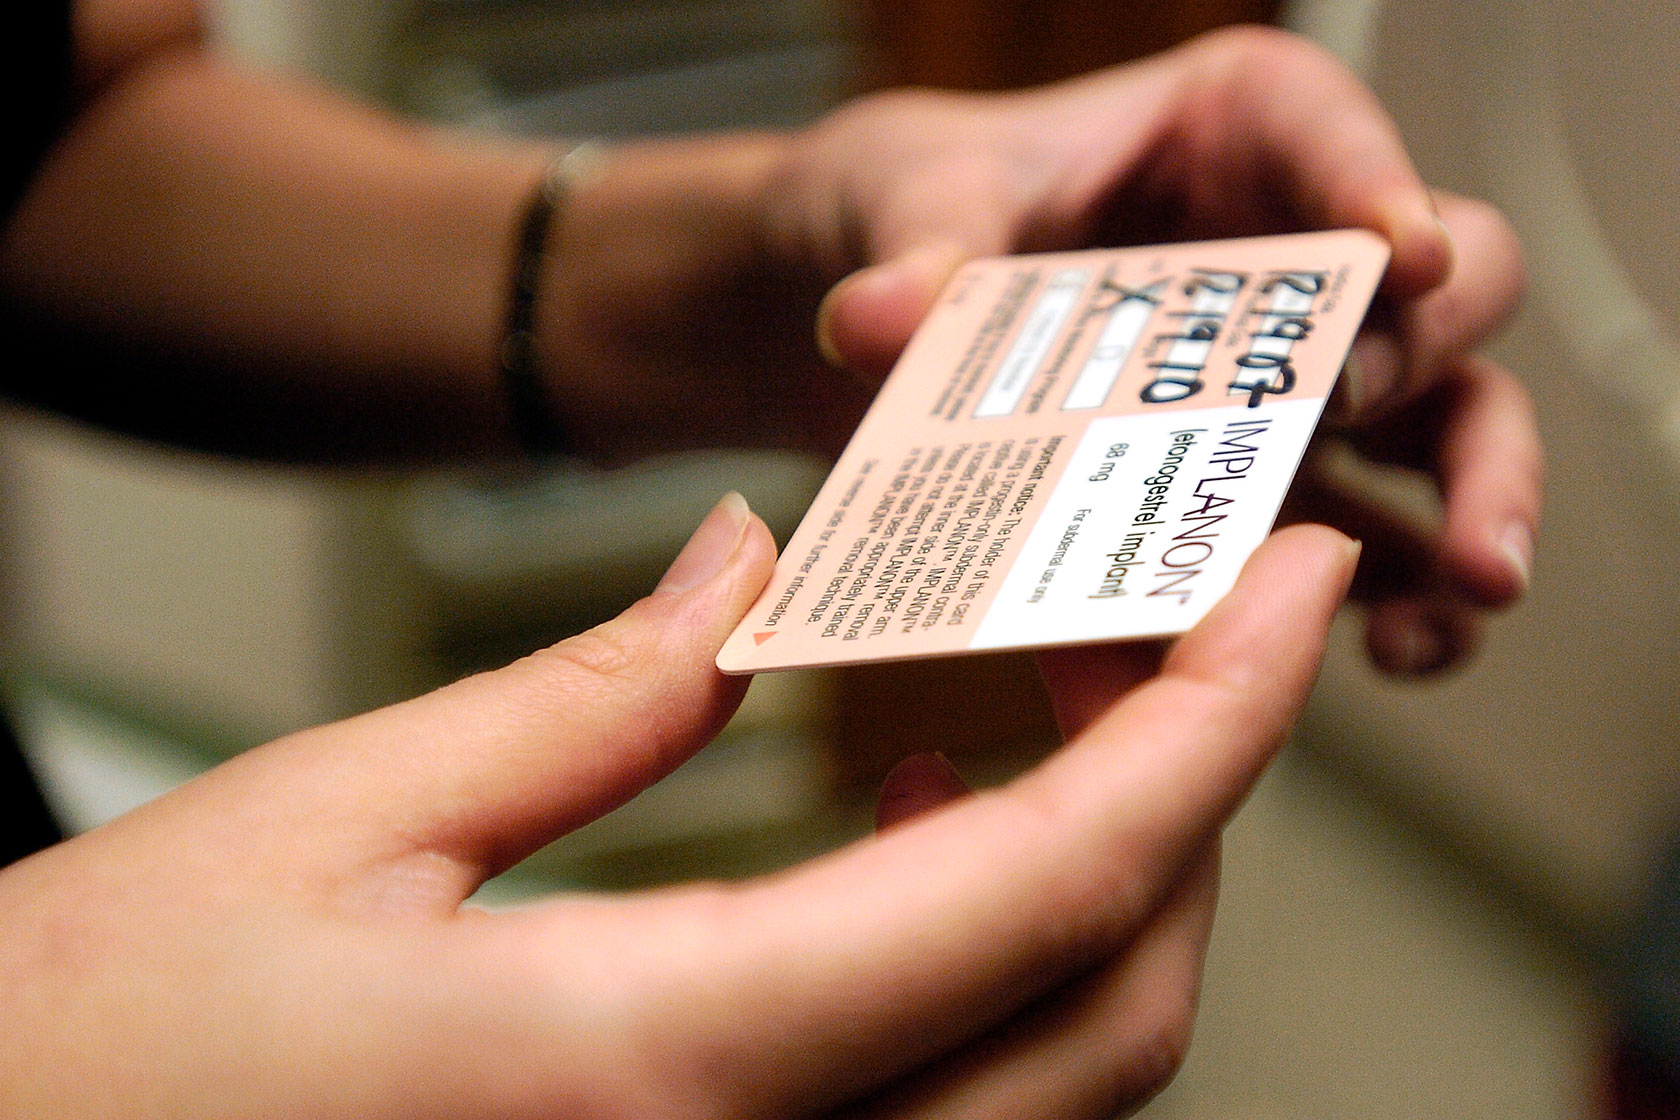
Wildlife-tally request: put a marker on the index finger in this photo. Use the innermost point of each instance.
(880, 957)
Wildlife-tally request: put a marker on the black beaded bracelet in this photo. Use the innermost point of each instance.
(535, 423)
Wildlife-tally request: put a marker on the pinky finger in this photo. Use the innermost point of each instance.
(920, 783)
(1424, 633)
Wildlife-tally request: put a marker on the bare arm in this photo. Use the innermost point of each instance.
(302, 268)
(302, 275)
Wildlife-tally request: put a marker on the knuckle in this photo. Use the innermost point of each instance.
(596, 653)
(599, 662)
(1481, 212)
(1487, 235)
(1242, 47)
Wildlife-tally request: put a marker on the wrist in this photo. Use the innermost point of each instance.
(535, 419)
(647, 245)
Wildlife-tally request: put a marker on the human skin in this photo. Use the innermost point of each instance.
(286, 935)
(312, 278)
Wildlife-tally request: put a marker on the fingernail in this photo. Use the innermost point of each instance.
(1378, 363)
(1347, 399)
(1516, 545)
(933, 264)
(917, 784)
(1415, 648)
(1353, 549)
(825, 325)
(930, 770)
(879, 277)
(914, 278)
(1423, 245)
(708, 551)
(1449, 242)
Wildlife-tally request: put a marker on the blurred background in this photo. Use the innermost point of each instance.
(1427, 902)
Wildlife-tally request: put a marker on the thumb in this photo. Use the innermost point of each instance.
(483, 772)
(866, 319)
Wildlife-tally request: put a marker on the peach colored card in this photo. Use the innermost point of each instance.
(1075, 447)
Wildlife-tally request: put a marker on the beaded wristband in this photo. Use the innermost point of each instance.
(535, 423)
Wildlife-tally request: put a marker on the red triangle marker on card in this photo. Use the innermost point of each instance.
(760, 639)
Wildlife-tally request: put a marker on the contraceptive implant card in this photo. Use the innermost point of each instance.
(1075, 447)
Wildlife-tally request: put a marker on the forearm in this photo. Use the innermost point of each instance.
(288, 253)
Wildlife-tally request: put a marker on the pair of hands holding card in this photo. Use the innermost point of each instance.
(285, 935)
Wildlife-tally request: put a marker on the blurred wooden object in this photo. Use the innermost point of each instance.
(1002, 44)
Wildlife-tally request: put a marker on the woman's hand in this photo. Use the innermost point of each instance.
(286, 937)
(1240, 132)
(690, 273)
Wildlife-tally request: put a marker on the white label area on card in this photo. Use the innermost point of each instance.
(1044, 324)
(1149, 525)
